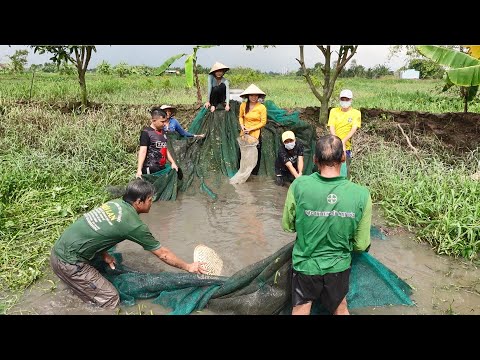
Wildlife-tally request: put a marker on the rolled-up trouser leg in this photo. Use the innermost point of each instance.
(86, 282)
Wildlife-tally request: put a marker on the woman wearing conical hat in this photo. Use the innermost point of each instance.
(253, 117)
(218, 87)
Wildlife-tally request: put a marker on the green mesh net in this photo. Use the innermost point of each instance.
(263, 288)
(205, 161)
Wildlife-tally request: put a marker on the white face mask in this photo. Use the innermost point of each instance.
(290, 145)
(346, 104)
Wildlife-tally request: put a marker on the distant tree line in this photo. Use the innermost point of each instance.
(18, 61)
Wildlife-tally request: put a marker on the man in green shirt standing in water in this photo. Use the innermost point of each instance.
(331, 216)
(99, 230)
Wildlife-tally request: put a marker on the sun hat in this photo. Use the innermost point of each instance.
(164, 107)
(218, 66)
(346, 93)
(288, 135)
(252, 90)
(213, 264)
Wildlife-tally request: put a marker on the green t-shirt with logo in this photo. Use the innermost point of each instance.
(100, 229)
(332, 218)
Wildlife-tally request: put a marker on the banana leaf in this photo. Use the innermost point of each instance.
(465, 69)
(466, 76)
(189, 70)
(447, 57)
(161, 69)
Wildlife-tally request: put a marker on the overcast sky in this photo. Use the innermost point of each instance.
(278, 59)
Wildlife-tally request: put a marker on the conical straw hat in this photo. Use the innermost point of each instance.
(252, 90)
(219, 66)
(163, 107)
(213, 264)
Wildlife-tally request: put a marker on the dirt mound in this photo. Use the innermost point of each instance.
(460, 132)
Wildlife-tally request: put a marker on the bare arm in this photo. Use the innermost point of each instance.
(109, 259)
(332, 130)
(171, 259)
(142, 153)
(292, 169)
(350, 134)
(300, 165)
(170, 158)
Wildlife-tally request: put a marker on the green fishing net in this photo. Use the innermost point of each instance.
(206, 161)
(262, 288)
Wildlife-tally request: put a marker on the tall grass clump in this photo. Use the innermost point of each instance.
(54, 168)
(437, 200)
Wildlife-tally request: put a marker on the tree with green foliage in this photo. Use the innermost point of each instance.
(122, 69)
(463, 69)
(78, 55)
(428, 69)
(329, 69)
(18, 60)
(330, 74)
(104, 68)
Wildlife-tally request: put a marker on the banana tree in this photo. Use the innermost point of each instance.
(464, 69)
(191, 72)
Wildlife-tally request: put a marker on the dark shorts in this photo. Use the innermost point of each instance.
(152, 169)
(330, 289)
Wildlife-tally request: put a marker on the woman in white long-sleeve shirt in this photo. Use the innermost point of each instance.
(218, 87)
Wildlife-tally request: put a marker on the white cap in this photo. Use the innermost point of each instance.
(346, 93)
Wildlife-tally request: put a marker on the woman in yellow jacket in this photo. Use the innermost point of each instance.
(253, 117)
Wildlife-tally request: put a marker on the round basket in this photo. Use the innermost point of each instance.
(213, 264)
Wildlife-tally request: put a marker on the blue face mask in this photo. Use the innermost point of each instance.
(290, 145)
(346, 104)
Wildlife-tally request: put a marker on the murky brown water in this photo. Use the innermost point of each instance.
(244, 226)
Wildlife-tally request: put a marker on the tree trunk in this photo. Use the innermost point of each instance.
(323, 117)
(465, 103)
(83, 87)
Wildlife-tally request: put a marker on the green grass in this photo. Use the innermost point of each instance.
(286, 91)
(54, 168)
(437, 200)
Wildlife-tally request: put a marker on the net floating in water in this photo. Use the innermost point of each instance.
(213, 264)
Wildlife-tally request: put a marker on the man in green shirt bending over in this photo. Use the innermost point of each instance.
(332, 217)
(99, 230)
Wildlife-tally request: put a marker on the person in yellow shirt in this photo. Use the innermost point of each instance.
(253, 117)
(344, 121)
